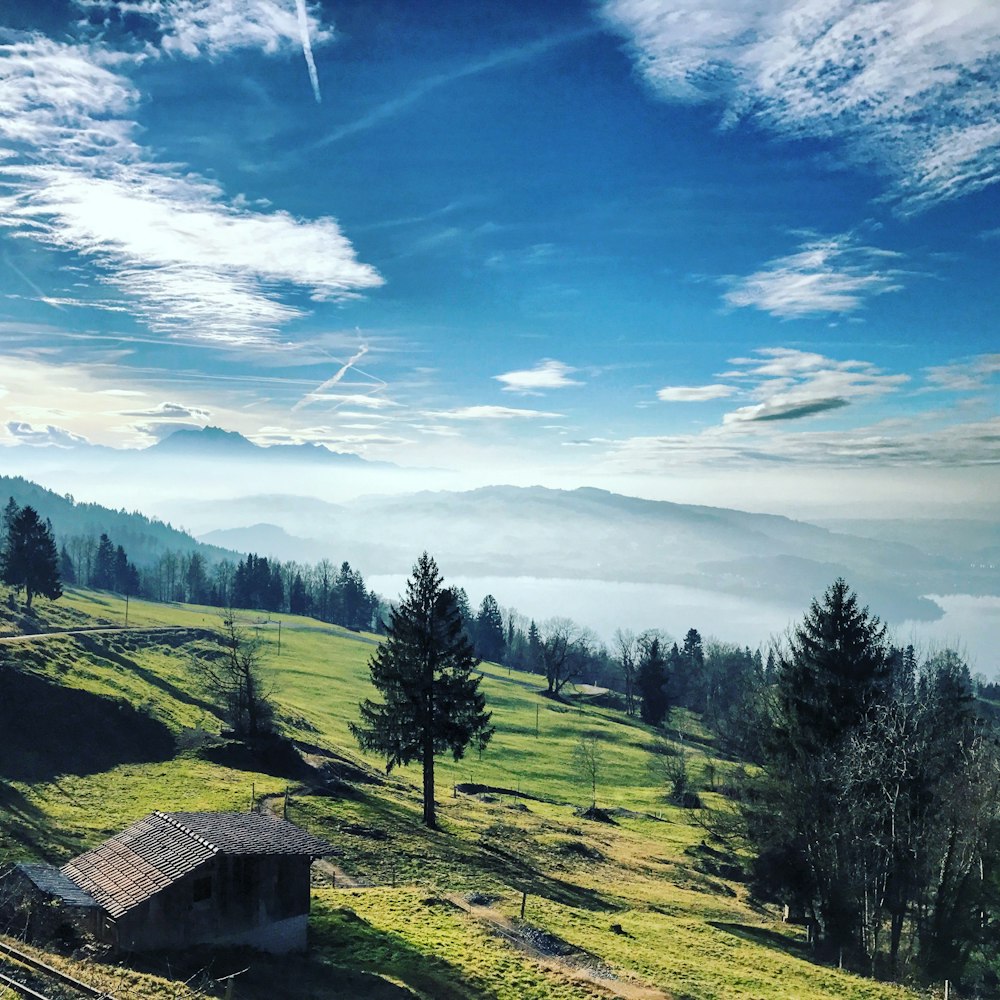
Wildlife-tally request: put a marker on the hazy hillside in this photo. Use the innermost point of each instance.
(143, 538)
(510, 531)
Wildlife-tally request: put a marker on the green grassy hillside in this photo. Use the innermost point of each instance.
(102, 727)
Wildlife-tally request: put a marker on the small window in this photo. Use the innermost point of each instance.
(202, 889)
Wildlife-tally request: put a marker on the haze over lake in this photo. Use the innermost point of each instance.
(970, 623)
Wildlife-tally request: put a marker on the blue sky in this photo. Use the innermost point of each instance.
(716, 251)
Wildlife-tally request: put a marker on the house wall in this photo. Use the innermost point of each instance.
(259, 901)
(38, 917)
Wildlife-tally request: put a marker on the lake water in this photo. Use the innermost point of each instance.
(970, 624)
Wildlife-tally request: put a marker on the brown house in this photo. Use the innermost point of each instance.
(172, 880)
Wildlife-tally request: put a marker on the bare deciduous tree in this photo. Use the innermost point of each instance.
(588, 762)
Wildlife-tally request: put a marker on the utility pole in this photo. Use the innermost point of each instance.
(126, 609)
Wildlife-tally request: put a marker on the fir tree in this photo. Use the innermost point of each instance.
(30, 560)
(424, 672)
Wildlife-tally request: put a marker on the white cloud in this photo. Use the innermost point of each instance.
(907, 85)
(829, 275)
(188, 262)
(788, 384)
(694, 393)
(364, 401)
(47, 436)
(547, 374)
(212, 28)
(490, 413)
(171, 411)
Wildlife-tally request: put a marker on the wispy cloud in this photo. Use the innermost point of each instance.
(547, 374)
(694, 393)
(490, 413)
(831, 275)
(789, 384)
(909, 86)
(212, 28)
(187, 261)
(878, 445)
(970, 375)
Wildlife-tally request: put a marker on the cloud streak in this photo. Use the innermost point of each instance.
(907, 86)
(491, 413)
(419, 90)
(826, 276)
(303, 19)
(694, 393)
(335, 379)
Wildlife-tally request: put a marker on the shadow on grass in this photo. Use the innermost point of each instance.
(425, 857)
(342, 937)
(22, 822)
(261, 976)
(101, 648)
(50, 730)
(768, 938)
(274, 755)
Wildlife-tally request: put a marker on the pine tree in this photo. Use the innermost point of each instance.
(30, 560)
(424, 672)
(833, 674)
(534, 657)
(490, 640)
(105, 564)
(651, 681)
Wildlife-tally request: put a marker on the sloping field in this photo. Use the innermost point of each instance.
(102, 727)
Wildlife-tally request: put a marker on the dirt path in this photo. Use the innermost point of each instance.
(509, 931)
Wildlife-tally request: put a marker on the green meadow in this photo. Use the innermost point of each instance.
(645, 906)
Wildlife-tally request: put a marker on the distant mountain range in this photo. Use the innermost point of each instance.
(215, 443)
(594, 534)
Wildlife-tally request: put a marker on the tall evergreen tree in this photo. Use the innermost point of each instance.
(490, 640)
(651, 680)
(834, 671)
(424, 672)
(534, 651)
(105, 564)
(30, 560)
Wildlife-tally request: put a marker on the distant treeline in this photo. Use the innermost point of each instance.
(324, 591)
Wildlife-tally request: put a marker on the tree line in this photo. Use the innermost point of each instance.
(876, 813)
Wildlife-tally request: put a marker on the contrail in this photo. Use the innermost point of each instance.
(332, 381)
(417, 91)
(307, 51)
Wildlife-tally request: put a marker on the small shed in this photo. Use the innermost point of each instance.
(173, 880)
(39, 903)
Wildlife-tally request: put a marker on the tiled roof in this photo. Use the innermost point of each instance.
(249, 833)
(163, 847)
(52, 882)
